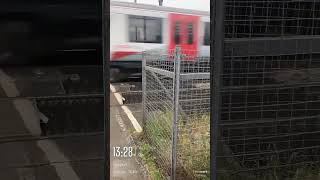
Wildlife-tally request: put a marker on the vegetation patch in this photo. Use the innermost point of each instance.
(193, 147)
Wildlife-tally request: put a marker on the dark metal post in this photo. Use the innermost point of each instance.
(177, 59)
(218, 54)
(106, 81)
(144, 88)
(160, 2)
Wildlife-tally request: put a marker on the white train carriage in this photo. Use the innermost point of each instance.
(135, 28)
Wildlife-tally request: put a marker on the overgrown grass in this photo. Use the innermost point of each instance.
(193, 148)
(149, 159)
(307, 173)
(194, 153)
(194, 145)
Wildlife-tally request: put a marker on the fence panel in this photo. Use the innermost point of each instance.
(269, 125)
(176, 100)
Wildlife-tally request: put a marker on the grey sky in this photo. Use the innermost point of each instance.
(203, 5)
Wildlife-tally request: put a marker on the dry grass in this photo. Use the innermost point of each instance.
(193, 148)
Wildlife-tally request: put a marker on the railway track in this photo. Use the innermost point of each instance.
(59, 94)
(63, 115)
(129, 97)
(131, 92)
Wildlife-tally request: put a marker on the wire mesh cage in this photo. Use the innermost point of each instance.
(269, 126)
(176, 100)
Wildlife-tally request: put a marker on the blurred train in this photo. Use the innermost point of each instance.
(135, 28)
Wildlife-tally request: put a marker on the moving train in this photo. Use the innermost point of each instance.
(135, 28)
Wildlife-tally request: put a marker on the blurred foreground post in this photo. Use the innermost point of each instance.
(218, 49)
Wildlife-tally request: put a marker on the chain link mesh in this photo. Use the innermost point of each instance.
(269, 124)
(191, 149)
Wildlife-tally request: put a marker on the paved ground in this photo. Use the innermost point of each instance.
(121, 168)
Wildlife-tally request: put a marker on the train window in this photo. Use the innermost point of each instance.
(145, 29)
(190, 33)
(136, 30)
(177, 33)
(153, 30)
(206, 40)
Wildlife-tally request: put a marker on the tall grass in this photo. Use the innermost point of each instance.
(193, 148)
(193, 151)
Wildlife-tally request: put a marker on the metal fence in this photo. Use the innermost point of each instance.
(269, 117)
(176, 104)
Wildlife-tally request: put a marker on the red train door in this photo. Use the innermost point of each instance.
(184, 31)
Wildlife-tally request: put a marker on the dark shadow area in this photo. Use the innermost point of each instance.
(51, 90)
(268, 126)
